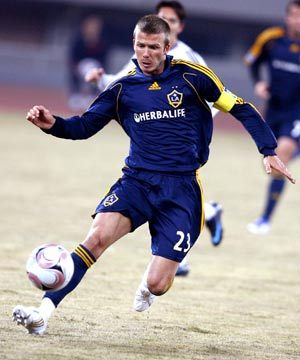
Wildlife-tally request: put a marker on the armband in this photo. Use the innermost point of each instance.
(226, 101)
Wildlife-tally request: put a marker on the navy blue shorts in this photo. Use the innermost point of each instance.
(171, 204)
(284, 123)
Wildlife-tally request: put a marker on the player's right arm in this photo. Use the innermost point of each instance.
(81, 127)
(40, 117)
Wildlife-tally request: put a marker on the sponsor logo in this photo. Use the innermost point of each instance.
(159, 114)
(175, 98)
(154, 86)
(110, 199)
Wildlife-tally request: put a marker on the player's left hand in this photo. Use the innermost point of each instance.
(274, 166)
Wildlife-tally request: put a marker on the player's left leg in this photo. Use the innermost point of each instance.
(175, 226)
(213, 221)
(157, 280)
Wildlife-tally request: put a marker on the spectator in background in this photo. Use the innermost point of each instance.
(87, 50)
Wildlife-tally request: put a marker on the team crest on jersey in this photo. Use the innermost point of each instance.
(110, 199)
(175, 98)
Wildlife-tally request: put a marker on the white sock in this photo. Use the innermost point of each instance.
(46, 308)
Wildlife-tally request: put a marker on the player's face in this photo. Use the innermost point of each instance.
(170, 16)
(293, 21)
(150, 51)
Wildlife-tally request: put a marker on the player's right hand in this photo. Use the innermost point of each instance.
(41, 117)
(94, 75)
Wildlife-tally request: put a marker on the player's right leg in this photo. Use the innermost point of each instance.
(105, 230)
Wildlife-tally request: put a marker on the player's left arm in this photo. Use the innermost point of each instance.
(213, 90)
(259, 130)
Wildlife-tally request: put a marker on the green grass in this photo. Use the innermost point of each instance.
(241, 300)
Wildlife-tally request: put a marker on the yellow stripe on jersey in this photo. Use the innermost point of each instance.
(131, 72)
(226, 101)
(202, 199)
(84, 255)
(205, 70)
(267, 35)
(117, 102)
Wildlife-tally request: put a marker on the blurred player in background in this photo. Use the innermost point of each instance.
(170, 130)
(279, 49)
(174, 13)
(87, 51)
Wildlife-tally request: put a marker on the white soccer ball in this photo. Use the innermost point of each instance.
(50, 267)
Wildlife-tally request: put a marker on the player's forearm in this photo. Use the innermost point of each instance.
(256, 127)
(76, 127)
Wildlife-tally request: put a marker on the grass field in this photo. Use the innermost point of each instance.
(241, 300)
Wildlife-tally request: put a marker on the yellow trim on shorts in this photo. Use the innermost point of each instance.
(202, 199)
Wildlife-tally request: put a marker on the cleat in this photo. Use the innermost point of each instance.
(30, 318)
(215, 226)
(143, 299)
(183, 269)
(260, 226)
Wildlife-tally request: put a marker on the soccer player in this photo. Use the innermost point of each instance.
(170, 130)
(174, 13)
(279, 49)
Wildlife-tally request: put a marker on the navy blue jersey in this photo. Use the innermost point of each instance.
(166, 116)
(282, 56)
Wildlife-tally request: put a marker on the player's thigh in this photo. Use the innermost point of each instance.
(105, 230)
(178, 220)
(161, 274)
(128, 197)
(286, 148)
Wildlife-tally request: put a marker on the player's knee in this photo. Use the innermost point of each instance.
(159, 285)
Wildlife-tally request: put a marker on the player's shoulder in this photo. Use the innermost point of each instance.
(190, 66)
(271, 33)
(267, 36)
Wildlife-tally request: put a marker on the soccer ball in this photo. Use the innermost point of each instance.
(50, 267)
